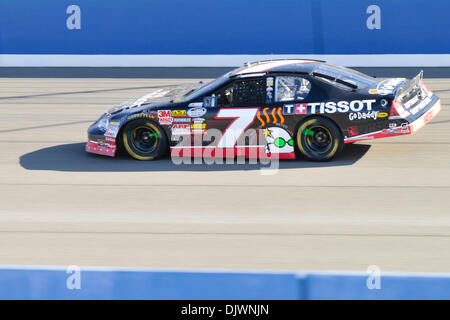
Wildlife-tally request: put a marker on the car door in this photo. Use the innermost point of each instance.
(286, 100)
(232, 111)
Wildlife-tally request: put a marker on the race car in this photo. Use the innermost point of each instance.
(283, 108)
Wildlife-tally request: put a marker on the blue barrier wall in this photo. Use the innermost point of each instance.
(45, 283)
(224, 27)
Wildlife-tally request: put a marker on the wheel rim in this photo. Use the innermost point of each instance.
(318, 139)
(145, 139)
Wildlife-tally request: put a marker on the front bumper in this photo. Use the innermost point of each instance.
(103, 143)
(101, 147)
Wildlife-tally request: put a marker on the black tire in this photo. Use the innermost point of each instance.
(144, 140)
(318, 139)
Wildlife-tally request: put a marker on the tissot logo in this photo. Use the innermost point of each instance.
(341, 106)
(329, 107)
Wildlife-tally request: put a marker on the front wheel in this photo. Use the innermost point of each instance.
(318, 139)
(144, 140)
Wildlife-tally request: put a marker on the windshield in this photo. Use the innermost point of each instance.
(170, 93)
(344, 75)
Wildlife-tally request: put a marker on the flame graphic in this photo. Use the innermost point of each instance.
(274, 113)
(258, 115)
(265, 113)
(280, 115)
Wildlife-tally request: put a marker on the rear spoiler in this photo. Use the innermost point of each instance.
(411, 85)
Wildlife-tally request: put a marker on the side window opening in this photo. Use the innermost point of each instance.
(291, 88)
(249, 92)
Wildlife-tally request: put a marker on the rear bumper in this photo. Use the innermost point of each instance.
(426, 117)
(406, 128)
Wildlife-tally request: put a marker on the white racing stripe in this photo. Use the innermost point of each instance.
(219, 60)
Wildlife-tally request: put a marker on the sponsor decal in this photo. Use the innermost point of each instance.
(179, 113)
(269, 90)
(141, 115)
(363, 115)
(341, 106)
(199, 126)
(104, 144)
(269, 95)
(329, 107)
(402, 129)
(196, 112)
(111, 140)
(178, 120)
(107, 150)
(394, 128)
(112, 130)
(301, 108)
(195, 105)
(405, 130)
(387, 86)
(165, 117)
(382, 114)
(181, 129)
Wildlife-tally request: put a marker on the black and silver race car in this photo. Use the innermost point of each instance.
(283, 108)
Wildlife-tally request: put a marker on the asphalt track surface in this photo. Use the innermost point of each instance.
(382, 203)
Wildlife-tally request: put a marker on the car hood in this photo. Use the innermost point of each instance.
(162, 94)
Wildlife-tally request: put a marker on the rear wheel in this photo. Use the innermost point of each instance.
(144, 140)
(318, 139)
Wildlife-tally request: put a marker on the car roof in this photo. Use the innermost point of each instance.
(272, 66)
